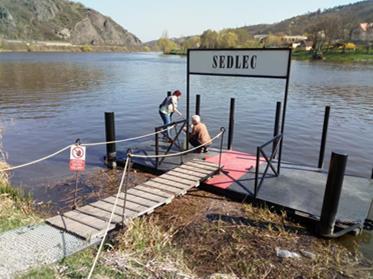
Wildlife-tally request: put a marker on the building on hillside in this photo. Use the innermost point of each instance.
(260, 37)
(295, 41)
(363, 33)
(285, 40)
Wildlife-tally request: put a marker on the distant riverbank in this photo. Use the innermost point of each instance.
(58, 46)
(330, 56)
(338, 56)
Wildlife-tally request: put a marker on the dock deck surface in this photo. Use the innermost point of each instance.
(90, 221)
(298, 188)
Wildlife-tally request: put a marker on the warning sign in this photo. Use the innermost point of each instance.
(77, 158)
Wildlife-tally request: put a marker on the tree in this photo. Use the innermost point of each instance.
(325, 30)
(209, 39)
(243, 36)
(166, 45)
(228, 39)
(316, 34)
(192, 42)
(333, 28)
(273, 41)
(252, 43)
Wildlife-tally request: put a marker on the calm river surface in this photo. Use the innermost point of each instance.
(48, 100)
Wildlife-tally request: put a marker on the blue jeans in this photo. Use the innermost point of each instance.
(166, 118)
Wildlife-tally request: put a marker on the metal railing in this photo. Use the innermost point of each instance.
(276, 142)
(174, 141)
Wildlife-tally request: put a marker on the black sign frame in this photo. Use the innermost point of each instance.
(286, 77)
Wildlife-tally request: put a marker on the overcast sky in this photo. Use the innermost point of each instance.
(148, 19)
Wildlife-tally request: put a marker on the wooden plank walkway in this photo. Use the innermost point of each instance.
(90, 221)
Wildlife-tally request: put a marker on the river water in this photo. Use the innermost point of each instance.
(47, 100)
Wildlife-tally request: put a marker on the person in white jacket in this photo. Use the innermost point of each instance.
(167, 108)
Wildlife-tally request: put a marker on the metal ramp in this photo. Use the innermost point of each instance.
(90, 221)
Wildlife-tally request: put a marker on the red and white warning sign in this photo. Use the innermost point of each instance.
(77, 158)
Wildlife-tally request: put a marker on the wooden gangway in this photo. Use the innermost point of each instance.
(90, 221)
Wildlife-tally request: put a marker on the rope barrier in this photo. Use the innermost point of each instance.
(84, 144)
(178, 153)
(36, 161)
(125, 170)
(130, 139)
(110, 219)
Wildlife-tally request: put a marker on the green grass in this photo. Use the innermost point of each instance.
(15, 209)
(76, 266)
(144, 250)
(337, 56)
(177, 52)
(15, 206)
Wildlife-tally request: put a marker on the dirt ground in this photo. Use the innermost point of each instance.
(92, 186)
(220, 236)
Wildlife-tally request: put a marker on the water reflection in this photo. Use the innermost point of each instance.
(36, 90)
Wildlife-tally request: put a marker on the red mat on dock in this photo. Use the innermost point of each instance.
(236, 164)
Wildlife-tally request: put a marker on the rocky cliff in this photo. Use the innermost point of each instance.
(62, 20)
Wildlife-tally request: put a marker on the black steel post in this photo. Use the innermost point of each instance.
(188, 102)
(231, 124)
(156, 148)
(277, 125)
(332, 194)
(370, 213)
(324, 136)
(169, 93)
(257, 166)
(198, 104)
(111, 152)
(222, 129)
(371, 176)
(284, 113)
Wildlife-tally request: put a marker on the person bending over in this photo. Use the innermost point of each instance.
(167, 108)
(199, 134)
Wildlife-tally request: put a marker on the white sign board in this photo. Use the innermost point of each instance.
(77, 158)
(254, 63)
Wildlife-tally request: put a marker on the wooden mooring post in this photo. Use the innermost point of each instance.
(332, 194)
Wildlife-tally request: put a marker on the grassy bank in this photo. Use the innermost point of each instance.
(15, 206)
(203, 235)
(337, 56)
(143, 251)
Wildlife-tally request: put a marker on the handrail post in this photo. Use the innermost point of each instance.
(156, 147)
(231, 124)
(198, 104)
(324, 136)
(222, 129)
(277, 125)
(129, 152)
(278, 167)
(257, 171)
